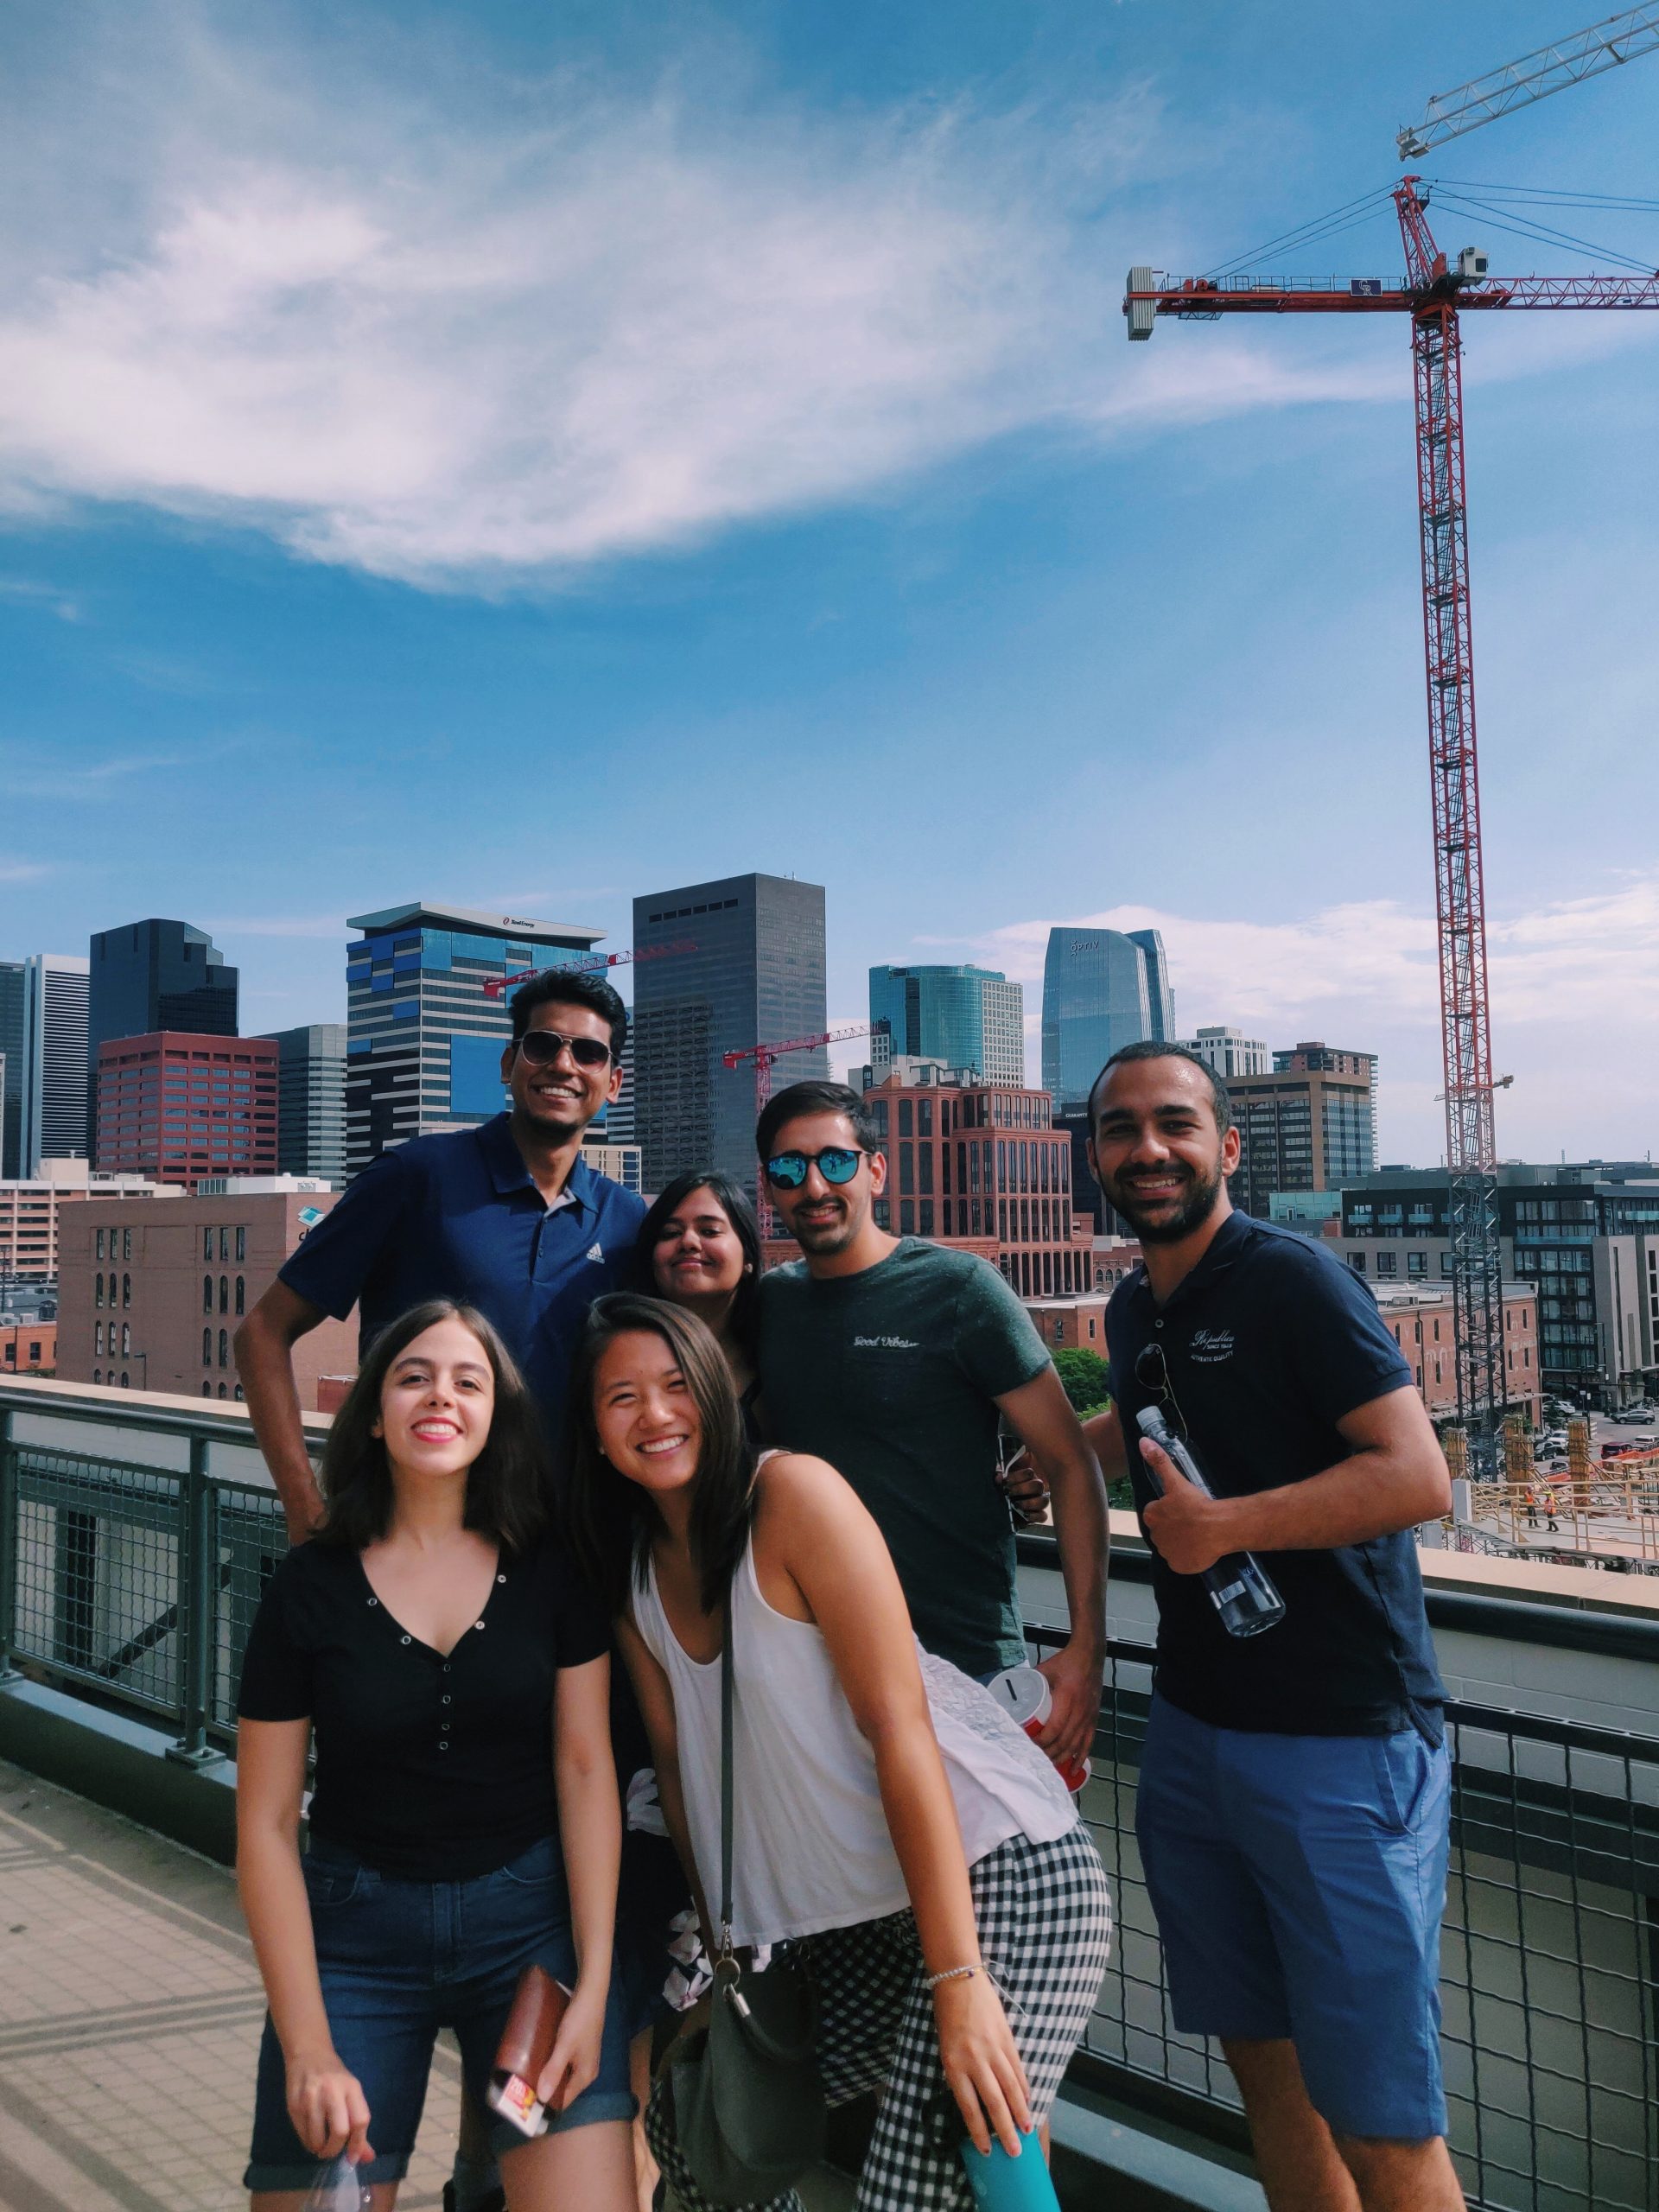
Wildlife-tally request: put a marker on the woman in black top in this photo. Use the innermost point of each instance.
(453, 1671)
(700, 1247)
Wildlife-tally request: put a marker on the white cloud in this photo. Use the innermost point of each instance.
(14, 871)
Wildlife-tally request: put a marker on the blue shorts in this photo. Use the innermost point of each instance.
(1299, 1883)
(397, 1962)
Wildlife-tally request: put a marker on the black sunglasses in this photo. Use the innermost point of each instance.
(542, 1047)
(836, 1163)
(1152, 1373)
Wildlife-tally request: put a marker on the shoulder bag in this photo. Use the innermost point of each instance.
(748, 2102)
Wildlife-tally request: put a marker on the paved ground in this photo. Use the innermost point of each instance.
(130, 2017)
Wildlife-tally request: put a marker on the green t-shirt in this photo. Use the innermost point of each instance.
(891, 1376)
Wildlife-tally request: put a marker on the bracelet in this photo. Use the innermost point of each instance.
(949, 1974)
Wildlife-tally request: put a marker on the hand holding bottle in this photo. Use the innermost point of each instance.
(1184, 1523)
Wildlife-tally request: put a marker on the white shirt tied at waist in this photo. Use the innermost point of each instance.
(811, 1846)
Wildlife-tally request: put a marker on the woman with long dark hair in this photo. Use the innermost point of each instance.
(453, 1671)
(700, 1247)
(890, 1817)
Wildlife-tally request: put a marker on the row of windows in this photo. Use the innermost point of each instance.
(125, 1287)
(224, 1293)
(207, 1347)
(224, 1237)
(98, 1338)
(121, 1237)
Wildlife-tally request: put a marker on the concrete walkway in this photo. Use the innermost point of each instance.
(129, 2017)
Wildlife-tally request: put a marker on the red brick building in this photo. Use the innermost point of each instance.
(28, 1348)
(176, 1106)
(149, 1296)
(1419, 1318)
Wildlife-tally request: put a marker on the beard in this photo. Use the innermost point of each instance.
(1194, 1209)
(826, 1235)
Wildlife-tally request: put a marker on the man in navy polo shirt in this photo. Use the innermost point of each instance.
(508, 1217)
(1292, 1810)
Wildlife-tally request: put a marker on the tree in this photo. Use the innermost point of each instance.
(1085, 1377)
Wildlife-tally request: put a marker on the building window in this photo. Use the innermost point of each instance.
(206, 1294)
(98, 1287)
(126, 1380)
(207, 1389)
(206, 1243)
(207, 1347)
(907, 1118)
(224, 1347)
(224, 1244)
(126, 1290)
(224, 1293)
(222, 1392)
(98, 1340)
(237, 1394)
(906, 1216)
(126, 1243)
(241, 1291)
(241, 1254)
(927, 1212)
(97, 1246)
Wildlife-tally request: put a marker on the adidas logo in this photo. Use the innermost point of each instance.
(595, 1252)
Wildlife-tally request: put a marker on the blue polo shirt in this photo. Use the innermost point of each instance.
(1268, 1344)
(458, 1217)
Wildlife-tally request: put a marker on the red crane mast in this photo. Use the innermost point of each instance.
(1434, 294)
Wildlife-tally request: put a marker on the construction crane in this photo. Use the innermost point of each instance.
(1534, 77)
(766, 1057)
(1434, 292)
(591, 963)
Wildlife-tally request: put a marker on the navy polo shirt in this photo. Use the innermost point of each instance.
(1269, 1343)
(458, 1217)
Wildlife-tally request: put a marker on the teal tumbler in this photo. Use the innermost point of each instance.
(1004, 2185)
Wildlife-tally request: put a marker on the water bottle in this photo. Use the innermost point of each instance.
(1000, 2184)
(337, 2189)
(1239, 1592)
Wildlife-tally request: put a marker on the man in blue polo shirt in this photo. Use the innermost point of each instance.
(1292, 1810)
(508, 1217)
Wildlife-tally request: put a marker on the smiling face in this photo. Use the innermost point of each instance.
(560, 1099)
(437, 1403)
(1155, 1149)
(644, 1413)
(822, 1218)
(698, 1255)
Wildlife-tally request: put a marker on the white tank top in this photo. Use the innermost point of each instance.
(811, 1847)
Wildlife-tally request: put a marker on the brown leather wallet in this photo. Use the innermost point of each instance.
(538, 2005)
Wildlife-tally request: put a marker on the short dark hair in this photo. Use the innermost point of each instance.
(803, 1098)
(611, 1521)
(735, 1205)
(507, 1483)
(1152, 1048)
(571, 987)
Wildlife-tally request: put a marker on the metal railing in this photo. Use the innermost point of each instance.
(136, 1585)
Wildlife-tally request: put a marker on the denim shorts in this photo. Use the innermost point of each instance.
(397, 1962)
(1299, 1883)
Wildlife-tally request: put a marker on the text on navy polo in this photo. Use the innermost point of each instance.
(1268, 1344)
(458, 1217)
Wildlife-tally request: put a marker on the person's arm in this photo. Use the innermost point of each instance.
(813, 1527)
(1104, 1434)
(1048, 1427)
(590, 1831)
(1394, 1476)
(655, 1695)
(325, 2101)
(264, 1360)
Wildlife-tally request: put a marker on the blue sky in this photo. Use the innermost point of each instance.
(530, 456)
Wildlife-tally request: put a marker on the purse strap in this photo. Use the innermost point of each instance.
(726, 1693)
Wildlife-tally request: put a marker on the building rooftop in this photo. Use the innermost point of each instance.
(423, 912)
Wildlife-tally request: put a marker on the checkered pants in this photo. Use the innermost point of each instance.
(1045, 1918)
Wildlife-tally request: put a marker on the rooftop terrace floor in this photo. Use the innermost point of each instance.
(130, 2017)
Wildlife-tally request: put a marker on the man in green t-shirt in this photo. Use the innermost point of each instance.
(892, 1359)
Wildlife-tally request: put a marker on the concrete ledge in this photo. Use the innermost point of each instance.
(122, 1764)
(1106, 2153)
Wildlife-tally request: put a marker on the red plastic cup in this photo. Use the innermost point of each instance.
(1024, 1693)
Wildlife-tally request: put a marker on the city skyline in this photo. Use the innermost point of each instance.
(926, 587)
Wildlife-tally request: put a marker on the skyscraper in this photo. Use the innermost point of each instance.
(423, 1037)
(755, 975)
(1300, 1129)
(1230, 1051)
(52, 1119)
(176, 1106)
(13, 986)
(152, 975)
(1317, 1058)
(311, 1100)
(1102, 990)
(965, 1017)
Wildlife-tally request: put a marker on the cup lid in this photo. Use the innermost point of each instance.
(1023, 1693)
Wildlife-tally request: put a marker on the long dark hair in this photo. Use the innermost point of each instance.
(505, 1484)
(611, 1521)
(744, 1322)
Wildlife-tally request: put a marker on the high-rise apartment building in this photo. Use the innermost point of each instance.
(53, 1094)
(964, 1017)
(153, 976)
(754, 975)
(311, 1100)
(177, 1108)
(1318, 1059)
(423, 1037)
(1299, 1130)
(1102, 989)
(13, 987)
(1229, 1052)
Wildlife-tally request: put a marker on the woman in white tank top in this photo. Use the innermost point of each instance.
(888, 1815)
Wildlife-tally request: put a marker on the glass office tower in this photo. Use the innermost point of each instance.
(423, 1037)
(965, 1017)
(153, 976)
(1102, 989)
(735, 963)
